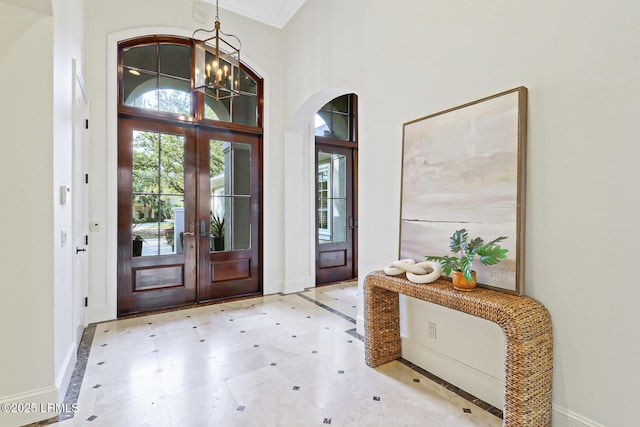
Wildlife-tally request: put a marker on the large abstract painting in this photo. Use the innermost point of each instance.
(465, 168)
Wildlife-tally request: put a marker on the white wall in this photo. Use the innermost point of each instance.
(36, 301)
(26, 293)
(466, 351)
(580, 62)
(41, 6)
(68, 40)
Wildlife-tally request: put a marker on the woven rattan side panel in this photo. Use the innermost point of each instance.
(526, 324)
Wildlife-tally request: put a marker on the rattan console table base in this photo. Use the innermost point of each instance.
(526, 324)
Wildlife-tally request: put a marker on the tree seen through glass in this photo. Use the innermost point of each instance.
(158, 188)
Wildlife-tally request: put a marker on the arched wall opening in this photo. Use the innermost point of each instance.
(106, 292)
(299, 192)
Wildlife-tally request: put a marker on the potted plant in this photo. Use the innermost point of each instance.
(137, 242)
(461, 267)
(217, 232)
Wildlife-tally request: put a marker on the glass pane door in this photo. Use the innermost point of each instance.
(334, 214)
(229, 215)
(156, 216)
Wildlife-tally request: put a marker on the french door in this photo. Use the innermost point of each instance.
(229, 214)
(188, 215)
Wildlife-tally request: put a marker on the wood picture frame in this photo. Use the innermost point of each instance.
(465, 167)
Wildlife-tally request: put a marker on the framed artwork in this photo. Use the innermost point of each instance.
(465, 168)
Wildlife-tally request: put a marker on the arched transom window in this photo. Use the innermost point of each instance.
(156, 75)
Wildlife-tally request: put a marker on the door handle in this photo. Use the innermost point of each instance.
(78, 250)
(189, 233)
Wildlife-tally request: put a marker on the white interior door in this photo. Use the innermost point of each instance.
(80, 204)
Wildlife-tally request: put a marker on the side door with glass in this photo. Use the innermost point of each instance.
(156, 216)
(334, 214)
(336, 190)
(229, 214)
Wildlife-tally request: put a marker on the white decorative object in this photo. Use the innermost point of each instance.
(409, 266)
(429, 277)
(392, 270)
(422, 272)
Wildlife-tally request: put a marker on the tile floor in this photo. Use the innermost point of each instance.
(278, 360)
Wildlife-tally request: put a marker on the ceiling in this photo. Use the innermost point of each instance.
(271, 12)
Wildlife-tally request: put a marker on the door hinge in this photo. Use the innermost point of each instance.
(86, 239)
(352, 224)
(86, 301)
(86, 178)
(86, 124)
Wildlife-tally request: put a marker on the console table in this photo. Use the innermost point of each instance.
(526, 324)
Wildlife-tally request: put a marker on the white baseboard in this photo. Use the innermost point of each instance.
(477, 383)
(465, 377)
(271, 287)
(78, 336)
(563, 417)
(293, 286)
(29, 407)
(63, 376)
(97, 313)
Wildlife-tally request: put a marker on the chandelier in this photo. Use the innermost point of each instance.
(217, 63)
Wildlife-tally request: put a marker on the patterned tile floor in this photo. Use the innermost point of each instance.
(278, 360)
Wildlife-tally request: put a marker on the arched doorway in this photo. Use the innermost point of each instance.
(299, 211)
(189, 181)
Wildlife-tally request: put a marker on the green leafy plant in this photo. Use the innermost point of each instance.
(217, 226)
(489, 253)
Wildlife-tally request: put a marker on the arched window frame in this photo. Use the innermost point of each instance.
(197, 106)
(351, 115)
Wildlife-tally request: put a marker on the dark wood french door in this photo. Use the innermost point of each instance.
(188, 215)
(229, 195)
(336, 222)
